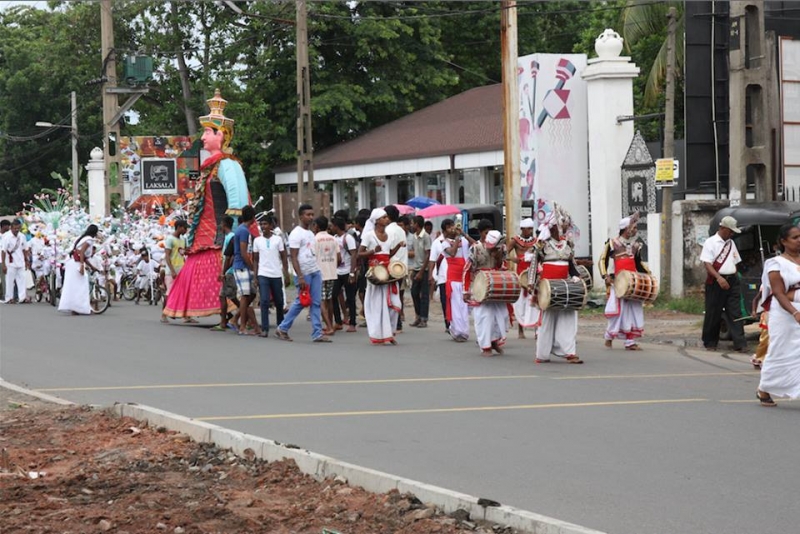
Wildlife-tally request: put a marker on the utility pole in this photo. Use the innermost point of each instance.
(508, 47)
(110, 102)
(75, 166)
(305, 150)
(669, 152)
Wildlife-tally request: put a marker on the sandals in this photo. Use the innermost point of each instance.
(321, 339)
(755, 362)
(218, 328)
(608, 343)
(280, 334)
(633, 347)
(537, 360)
(497, 347)
(573, 359)
(765, 399)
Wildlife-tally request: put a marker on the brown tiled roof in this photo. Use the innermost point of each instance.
(466, 123)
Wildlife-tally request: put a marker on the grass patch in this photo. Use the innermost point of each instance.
(692, 304)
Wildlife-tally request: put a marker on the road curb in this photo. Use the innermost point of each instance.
(31, 393)
(321, 467)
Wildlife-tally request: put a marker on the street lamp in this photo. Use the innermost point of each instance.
(74, 130)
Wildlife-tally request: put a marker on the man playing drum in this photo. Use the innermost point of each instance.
(625, 316)
(491, 317)
(455, 255)
(525, 310)
(558, 327)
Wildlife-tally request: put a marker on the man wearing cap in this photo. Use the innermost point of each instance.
(491, 318)
(625, 316)
(525, 311)
(723, 292)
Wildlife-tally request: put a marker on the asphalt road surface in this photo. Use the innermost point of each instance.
(663, 441)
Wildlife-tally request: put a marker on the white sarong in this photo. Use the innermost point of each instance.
(780, 372)
(491, 324)
(625, 319)
(75, 293)
(557, 334)
(381, 309)
(459, 312)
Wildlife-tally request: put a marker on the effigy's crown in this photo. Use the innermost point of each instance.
(216, 117)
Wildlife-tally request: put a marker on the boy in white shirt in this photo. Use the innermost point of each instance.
(272, 268)
(147, 269)
(327, 253)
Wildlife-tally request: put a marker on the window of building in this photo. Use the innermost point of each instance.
(349, 196)
(434, 186)
(405, 188)
(376, 189)
(469, 186)
(497, 185)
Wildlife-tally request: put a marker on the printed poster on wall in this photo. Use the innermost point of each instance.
(554, 138)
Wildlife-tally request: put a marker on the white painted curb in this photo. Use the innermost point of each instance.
(321, 467)
(31, 393)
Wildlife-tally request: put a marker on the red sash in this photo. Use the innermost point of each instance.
(522, 266)
(455, 273)
(379, 259)
(552, 271)
(624, 264)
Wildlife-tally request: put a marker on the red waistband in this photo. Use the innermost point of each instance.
(555, 272)
(522, 265)
(624, 264)
(378, 259)
(455, 269)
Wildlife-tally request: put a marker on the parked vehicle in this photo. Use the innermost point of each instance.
(472, 214)
(757, 242)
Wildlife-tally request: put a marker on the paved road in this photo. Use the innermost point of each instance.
(662, 441)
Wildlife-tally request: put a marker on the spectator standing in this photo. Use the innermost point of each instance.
(5, 226)
(302, 251)
(16, 260)
(397, 236)
(243, 270)
(174, 249)
(723, 292)
(347, 273)
(419, 250)
(327, 252)
(437, 267)
(272, 268)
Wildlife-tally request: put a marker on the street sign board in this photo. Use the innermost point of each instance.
(667, 172)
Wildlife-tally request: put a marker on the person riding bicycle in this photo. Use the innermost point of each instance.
(146, 271)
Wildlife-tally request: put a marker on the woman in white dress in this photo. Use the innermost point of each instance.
(75, 291)
(780, 373)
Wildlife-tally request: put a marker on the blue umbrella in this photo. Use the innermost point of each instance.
(420, 202)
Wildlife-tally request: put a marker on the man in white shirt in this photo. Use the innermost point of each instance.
(347, 274)
(5, 227)
(723, 292)
(302, 250)
(16, 260)
(437, 267)
(272, 268)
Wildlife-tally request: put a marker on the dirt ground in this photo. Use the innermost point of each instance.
(75, 470)
(79, 470)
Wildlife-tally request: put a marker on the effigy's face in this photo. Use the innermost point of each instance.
(212, 140)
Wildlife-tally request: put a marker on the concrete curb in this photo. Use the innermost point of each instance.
(31, 393)
(321, 467)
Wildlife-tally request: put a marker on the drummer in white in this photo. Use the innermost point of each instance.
(491, 318)
(559, 327)
(625, 316)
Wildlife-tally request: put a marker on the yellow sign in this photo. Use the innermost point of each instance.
(665, 171)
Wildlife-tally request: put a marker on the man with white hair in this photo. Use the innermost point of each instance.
(491, 318)
(625, 316)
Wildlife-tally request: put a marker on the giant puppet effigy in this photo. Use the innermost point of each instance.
(221, 190)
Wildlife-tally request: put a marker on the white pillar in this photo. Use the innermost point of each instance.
(391, 189)
(363, 194)
(96, 177)
(609, 80)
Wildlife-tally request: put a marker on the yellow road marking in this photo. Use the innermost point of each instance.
(299, 383)
(391, 381)
(664, 375)
(446, 410)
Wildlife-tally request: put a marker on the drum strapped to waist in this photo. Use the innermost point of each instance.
(378, 274)
(562, 294)
(495, 286)
(632, 285)
(585, 275)
(398, 270)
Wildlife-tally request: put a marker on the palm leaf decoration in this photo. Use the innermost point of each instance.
(643, 18)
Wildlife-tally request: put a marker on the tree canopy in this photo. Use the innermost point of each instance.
(371, 63)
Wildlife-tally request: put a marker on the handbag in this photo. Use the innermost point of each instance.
(305, 297)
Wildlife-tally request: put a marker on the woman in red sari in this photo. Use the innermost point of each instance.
(221, 190)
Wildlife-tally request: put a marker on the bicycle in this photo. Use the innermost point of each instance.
(99, 299)
(42, 289)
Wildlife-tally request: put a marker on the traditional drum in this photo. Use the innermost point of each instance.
(397, 270)
(633, 285)
(495, 286)
(378, 274)
(585, 275)
(562, 294)
(523, 279)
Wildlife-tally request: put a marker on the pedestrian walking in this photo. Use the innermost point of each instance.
(723, 291)
(272, 268)
(302, 251)
(75, 291)
(419, 250)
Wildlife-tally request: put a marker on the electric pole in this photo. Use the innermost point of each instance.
(75, 167)
(669, 153)
(511, 182)
(305, 150)
(110, 102)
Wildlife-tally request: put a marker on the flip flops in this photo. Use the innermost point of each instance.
(322, 339)
(280, 334)
(217, 328)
